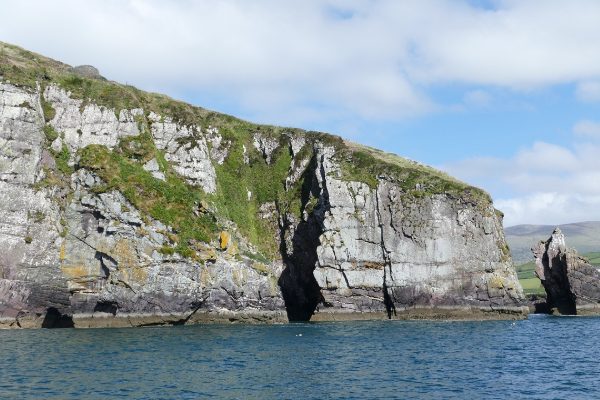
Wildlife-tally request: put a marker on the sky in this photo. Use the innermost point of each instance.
(503, 94)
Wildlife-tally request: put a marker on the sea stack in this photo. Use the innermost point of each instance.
(572, 284)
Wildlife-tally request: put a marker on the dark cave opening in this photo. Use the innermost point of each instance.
(55, 319)
(109, 307)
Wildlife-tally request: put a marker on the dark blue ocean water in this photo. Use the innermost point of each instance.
(544, 357)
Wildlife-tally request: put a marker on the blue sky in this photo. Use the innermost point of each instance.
(504, 94)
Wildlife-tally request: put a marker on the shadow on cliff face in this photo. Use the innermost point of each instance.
(390, 307)
(299, 288)
(557, 286)
(110, 307)
(551, 258)
(55, 319)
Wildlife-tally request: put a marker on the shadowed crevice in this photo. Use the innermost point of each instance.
(55, 319)
(388, 302)
(110, 307)
(299, 288)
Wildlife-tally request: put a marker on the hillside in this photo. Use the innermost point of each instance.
(149, 210)
(583, 236)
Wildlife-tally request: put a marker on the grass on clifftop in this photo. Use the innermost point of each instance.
(27, 69)
(365, 164)
(172, 202)
(358, 162)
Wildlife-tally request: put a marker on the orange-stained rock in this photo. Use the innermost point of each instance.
(224, 240)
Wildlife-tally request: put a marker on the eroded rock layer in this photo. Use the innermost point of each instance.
(122, 208)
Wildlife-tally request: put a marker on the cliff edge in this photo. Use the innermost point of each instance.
(125, 208)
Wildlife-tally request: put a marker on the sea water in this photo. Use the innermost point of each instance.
(543, 357)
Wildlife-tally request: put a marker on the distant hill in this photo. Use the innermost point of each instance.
(583, 236)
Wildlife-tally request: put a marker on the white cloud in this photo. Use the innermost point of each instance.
(522, 44)
(531, 167)
(546, 157)
(371, 59)
(586, 128)
(588, 91)
(551, 208)
(477, 98)
(272, 57)
(544, 183)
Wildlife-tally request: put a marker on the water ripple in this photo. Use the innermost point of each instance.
(543, 358)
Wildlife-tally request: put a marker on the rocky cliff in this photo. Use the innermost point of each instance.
(120, 207)
(572, 284)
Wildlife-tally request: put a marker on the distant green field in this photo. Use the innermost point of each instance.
(530, 282)
(594, 258)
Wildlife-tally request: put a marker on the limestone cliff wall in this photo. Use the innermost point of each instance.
(380, 250)
(93, 249)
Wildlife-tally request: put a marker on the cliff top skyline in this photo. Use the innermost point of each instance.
(502, 94)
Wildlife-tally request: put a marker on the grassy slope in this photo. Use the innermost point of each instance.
(173, 202)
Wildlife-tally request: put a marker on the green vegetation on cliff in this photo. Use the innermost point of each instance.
(365, 164)
(593, 258)
(242, 188)
(248, 187)
(171, 202)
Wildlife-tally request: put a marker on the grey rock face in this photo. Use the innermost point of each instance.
(572, 284)
(381, 252)
(265, 145)
(96, 255)
(299, 163)
(187, 150)
(110, 256)
(153, 167)
(219, 148)
(30, 277)
(76, 253)
(20, 135)
(85, 124)
(87, 71)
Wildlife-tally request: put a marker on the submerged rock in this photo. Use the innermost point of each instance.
(572, 284)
